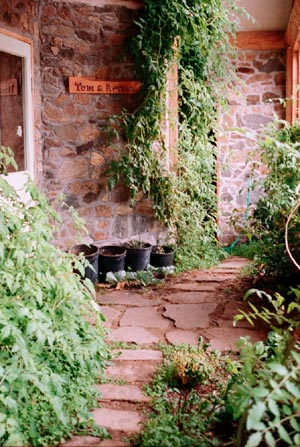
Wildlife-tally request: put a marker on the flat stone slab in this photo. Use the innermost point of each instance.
(112, 443)
(228, 271)
(118, 420)
(138, 354)
(229, 323)
(124, 298)
(224, 339)
(191, 297)
(214, 277)
(235, 262)
(148, 317)
(188, 316)
(131, 334)
(232, 308)
(132, 372)
(82, 441)
(111, 315)
(92, 441)
(179, 337)
(196, 286)
(123, 393)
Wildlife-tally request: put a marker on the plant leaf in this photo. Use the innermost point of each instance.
(254, 440)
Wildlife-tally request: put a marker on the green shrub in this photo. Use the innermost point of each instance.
(50, 356)
(265, 400)
(187, 394)
(280, 153)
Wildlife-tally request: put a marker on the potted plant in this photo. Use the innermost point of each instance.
(111, 259)
(137, 255)
(162, 256)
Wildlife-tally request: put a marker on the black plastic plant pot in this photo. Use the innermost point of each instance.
(162, 256)
(137, 258)
(90, 252)
(111, 259)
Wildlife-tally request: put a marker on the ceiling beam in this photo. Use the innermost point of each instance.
(259, 40)
(130, 4)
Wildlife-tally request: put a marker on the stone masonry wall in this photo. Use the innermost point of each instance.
(251, 107)
(90, 41)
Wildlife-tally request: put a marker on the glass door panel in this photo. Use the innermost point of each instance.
(11, 107)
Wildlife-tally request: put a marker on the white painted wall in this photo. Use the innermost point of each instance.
(269, 15)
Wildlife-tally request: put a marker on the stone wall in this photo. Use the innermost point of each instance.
(251, 106)
(80, 141)
(72, 145)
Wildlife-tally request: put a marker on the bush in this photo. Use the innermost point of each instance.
(266, 399)
(280, 153)
(187, 394)
(50, 356)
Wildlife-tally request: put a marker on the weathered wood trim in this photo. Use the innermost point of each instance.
(16, 36)
(292, 85)
(172, 116)
(259, 40)
(130, 4)
(289, 84)
(292, 32)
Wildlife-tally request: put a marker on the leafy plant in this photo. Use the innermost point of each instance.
(275, 311)
(191, 366)
(191, 35)
(264, 397)
(186, 392)
(140, 278)
(265, 400)
(280, 153)
(50, 356)
(6, 159)
(136, 243)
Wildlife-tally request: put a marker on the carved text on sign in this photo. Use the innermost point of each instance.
(9, 87)
(91, 86)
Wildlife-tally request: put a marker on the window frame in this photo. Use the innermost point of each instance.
(19, 46)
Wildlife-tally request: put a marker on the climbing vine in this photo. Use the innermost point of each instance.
(194, 34)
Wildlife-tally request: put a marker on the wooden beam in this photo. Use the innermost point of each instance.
(259, 40)
(292, 32)
(289, 85)
(130, 4)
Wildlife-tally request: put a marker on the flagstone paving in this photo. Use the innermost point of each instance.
(192, 305)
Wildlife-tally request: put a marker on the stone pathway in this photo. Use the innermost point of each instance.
(190, 306)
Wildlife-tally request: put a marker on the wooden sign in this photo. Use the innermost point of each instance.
(9, 87)
(92, 86)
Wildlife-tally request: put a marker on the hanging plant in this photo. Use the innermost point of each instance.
(194, 34)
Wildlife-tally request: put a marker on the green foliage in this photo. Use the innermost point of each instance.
(192, 34)
(6, 159)
(247, 249)
(50, 356)
(275, 311)
(151, 277)
(139, 278)
(186, 392)
(136, 243)
(280, 153)
(266, 397)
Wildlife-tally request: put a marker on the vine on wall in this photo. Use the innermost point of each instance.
(194, 34)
